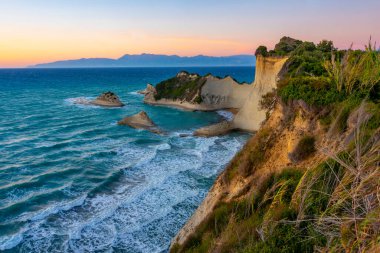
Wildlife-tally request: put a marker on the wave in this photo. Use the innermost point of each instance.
(227, 115)
(79, 100)
(9, 242)
(84, 103)
(151, 187)
(136, 93)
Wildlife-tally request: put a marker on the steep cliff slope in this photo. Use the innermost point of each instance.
(251, 115)
(282, 190)
(265, 153)
(308, 180)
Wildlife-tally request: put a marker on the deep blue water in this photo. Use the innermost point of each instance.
(72, 180)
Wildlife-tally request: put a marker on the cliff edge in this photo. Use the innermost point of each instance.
(250, 116)
(308, 180)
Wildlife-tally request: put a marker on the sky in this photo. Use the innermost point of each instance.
(38, 31)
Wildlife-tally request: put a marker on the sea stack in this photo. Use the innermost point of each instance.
(140, 120)
(108, 99)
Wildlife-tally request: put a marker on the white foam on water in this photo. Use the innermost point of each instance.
(79, 101)
(164, 146)
(136, 93)
(9, 242)
(17, 195)
(227, 115)
(84, 103)
(53, 209)
(139, 213)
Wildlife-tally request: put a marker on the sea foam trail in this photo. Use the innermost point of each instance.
(152, 194)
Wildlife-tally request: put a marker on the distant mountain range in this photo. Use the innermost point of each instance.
(153, 60)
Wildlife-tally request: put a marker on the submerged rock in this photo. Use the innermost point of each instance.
(221, 128)
(108, 99)
(140, 120)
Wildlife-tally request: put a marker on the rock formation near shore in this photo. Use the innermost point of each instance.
(108, 99)
(140, 120)
(194, 92)
(217, 129)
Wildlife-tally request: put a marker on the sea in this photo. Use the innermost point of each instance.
(72, 180)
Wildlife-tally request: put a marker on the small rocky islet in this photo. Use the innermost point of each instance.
(140, 120)
(107, 99)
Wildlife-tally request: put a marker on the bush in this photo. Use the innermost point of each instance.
(268, 101)
(307, 60)
(304, 148)
(326, 46)
(261, 50)
(316, 91)
(285, 46)
(183, 87)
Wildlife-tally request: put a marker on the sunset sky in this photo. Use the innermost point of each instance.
(36, 31)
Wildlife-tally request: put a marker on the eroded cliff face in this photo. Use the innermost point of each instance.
(276, 140)
(214, 93)
(224, 93)
(250, 116)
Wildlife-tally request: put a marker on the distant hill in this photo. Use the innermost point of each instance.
(153, 60)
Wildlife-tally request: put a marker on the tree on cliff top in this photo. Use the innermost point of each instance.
(261, 50)
(285, 46)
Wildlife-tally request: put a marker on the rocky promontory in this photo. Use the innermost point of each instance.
(140, 120)
(195, 92)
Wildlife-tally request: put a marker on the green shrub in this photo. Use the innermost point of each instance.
(268, 101)
(304, 148)
(284, 238)
(285, 46)
(261, 50)
(316, 91)
(326, 46)
(198, 99)
(184, 88)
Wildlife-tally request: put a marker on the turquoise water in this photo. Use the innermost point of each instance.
(72, 180)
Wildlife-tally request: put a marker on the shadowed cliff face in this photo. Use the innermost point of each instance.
(250, 116)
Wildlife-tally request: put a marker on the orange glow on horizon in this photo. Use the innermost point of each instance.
(30, 49)
(38, 31)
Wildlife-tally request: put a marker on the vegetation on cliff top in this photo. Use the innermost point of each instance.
(322, 75)
(184, 86)
(330, 206)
